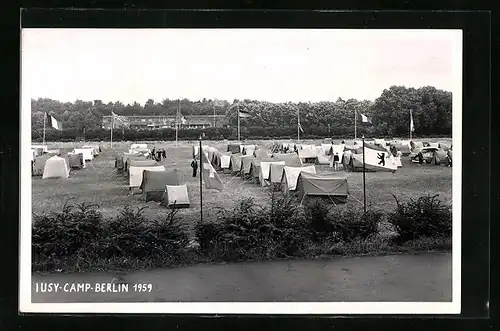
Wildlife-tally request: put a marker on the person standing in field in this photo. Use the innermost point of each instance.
(194, 165)
(164, 153)
(153, 153)
(336, 160)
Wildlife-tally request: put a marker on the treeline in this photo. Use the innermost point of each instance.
(431, 108)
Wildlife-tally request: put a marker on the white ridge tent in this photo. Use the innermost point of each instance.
(138, 146)
(88, 154)
(176, 196)
(291, 175)
(55, 167)
(265, 170)
(135, 174)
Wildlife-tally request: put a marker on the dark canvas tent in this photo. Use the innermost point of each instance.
(322, 185)
(140, 162)
(255, 166)
(175, 196)
(235, 163)
(261, 153)
(39, 164)
(234, 148)
(404, 149)
(154, 183)
(246, 164)
(290, 159)
(75, 161)
(119, 163)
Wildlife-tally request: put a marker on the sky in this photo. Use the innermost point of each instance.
(275, 65)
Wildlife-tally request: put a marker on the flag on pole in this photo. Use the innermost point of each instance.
(365, 119)
(211, 177)
(243, 114)
(300, 128)
(118, 119)
(183, 120)
(53, 122)
(412, 126)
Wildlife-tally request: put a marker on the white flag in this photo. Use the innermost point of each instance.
(365, 119)
(412, 127)
(53, 122)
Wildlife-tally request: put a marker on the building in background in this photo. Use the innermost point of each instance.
(164, 122)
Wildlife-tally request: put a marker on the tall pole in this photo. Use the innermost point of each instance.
(411, 117)
(364, 182)
(213, 105)
(44, 120)
(355, 125)
(177, 123)
(201, 182)
(112, 126)
(298, 125)
(238, 123)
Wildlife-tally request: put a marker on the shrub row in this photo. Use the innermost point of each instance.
(79, 237)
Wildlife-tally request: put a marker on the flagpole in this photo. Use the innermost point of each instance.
(298, 125)
(44, 120)
(177, 123)
(355, 123)
(201, 182)
(213, 105)
(364, 183)
(238, 123)
(112, 126)
(410, 123)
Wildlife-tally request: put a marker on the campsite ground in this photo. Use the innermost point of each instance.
(100, 184)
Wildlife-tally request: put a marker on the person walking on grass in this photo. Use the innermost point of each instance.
(194, 165)
(336, 160)
(153, 154)
(420, 157)
(163, 153)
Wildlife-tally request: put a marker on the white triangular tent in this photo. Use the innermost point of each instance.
(55, 167)
(291, 175)
(135, 174)
(88, 154)
(265, 171)
(176, 196)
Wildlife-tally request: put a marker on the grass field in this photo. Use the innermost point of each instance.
(99, 184)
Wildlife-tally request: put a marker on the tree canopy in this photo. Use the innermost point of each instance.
(431, 109)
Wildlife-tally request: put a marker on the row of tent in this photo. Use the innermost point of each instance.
(54, 164)
(155, 181)
(285, 170)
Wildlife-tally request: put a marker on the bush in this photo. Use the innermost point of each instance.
(73, 230)
(327, 220)
(424, 217)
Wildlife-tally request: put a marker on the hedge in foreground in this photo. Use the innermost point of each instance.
(80, 238)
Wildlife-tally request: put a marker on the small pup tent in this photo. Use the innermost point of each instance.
(76, 161)
(87, 153)
(175, 196)
(154, 183)
(39, 164)
(138, 146)
(307, 155)
(291, 174)
(265, 170)
(261, 153)
(255, 167)
(249, 149)
(291, 159)
(234, 148)
(322, 185)
(225, 162)
(246, 164)
(235, 163)
(55, 167)
(276, 172)
(323, 159)
(196, 148)
(327, 149)
(95, 149)
(135, 173)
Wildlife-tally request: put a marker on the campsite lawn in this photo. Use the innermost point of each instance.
(101, 185)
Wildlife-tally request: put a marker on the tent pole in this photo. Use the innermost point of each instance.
(44, 120)
(364, 182)
(200, 151)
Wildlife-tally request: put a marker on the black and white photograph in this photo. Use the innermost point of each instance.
(249, 171)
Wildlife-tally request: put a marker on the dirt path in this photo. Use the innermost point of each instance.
(424, 277)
